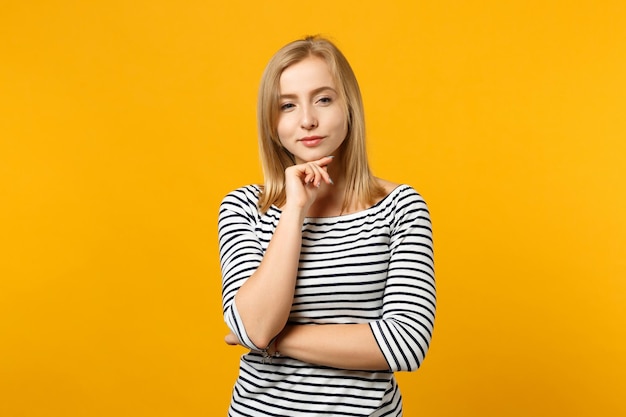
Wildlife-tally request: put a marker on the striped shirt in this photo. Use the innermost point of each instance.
(374, 266)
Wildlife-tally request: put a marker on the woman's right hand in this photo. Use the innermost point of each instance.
(302, 182)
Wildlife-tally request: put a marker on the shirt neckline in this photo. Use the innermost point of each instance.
(353, 214)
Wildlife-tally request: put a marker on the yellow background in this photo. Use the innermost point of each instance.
(123, 123)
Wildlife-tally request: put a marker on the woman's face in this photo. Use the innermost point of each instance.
(312, 122)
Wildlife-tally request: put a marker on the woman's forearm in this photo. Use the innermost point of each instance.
(345, 346)
(265, 299)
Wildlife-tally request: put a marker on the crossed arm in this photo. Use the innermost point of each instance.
(257, 315)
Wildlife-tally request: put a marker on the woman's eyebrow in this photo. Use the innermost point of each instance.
(313, 92)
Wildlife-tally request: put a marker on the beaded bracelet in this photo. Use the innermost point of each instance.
(267, 356)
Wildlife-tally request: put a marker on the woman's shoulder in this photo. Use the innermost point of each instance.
(391, 188)
(252, 190)
(245, 196)
(387, 186)
(400, 195)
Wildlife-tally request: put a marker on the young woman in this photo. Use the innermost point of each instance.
(327, 270)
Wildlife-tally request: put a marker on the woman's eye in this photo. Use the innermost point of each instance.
(287, 106)
(325, 100)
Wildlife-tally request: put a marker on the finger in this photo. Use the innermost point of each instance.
(326, 176)
(322, 171)
(309, 174)
(312, 173)
(306, 172)
(318, 173)
(231, 339)
(323, 162)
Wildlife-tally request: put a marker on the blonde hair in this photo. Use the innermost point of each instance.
(361, 186)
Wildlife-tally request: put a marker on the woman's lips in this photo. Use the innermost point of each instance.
(311, 141)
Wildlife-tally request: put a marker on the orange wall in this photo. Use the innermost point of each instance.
(122, 124)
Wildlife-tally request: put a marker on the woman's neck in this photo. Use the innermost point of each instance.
(330, 201)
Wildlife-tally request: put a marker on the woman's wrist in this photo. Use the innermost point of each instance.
(271, 351)
(296, 209)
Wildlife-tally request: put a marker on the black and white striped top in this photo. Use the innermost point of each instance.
(374, 266)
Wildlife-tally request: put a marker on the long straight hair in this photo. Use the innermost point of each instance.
(361, 189)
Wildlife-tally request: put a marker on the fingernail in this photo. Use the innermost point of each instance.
(331, 180)
(330, 156)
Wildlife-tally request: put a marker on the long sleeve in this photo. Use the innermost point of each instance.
(241, 253)
(405, 330)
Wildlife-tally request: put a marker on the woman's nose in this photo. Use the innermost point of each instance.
(309, 119)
